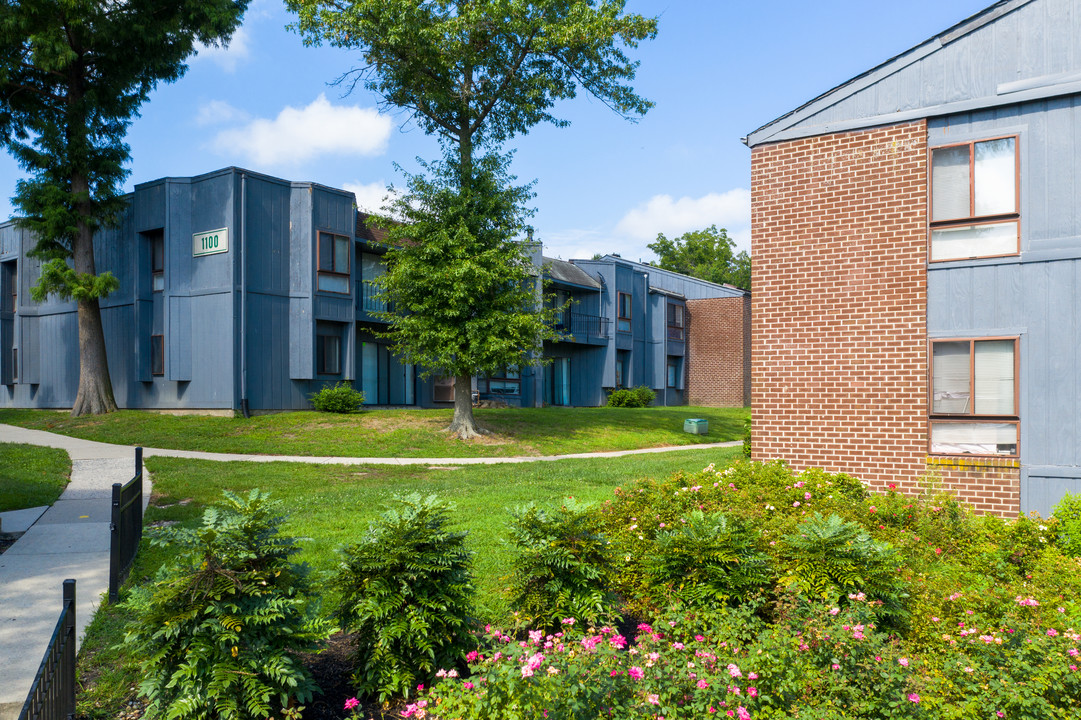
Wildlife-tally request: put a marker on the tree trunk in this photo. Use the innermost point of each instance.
(95, 395)
(463, 425)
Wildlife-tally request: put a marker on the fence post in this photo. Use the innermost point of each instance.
(114, 546)
(68, 661)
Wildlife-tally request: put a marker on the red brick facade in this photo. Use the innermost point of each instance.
(718, 352)
(839, 356)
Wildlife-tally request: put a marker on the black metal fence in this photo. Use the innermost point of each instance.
(582, 324)
(52, 696)
(126, 527)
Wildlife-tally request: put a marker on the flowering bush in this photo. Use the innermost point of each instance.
(406, 591)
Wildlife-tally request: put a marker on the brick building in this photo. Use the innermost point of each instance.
(917, 267)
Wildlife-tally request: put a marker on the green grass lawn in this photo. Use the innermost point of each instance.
(31, 476)
(331, 505)
(398, 433)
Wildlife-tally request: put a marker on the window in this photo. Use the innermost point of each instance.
(675, 322)
(157, 355)
(333, 265)
(505, 381)
(675, 365)
(975, 200)
(157, 261)
(624, 324)
(974, 397)
(328, 354)
(623, 374)
(10, 279)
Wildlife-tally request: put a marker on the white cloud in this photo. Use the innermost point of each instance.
(219, 112)
(227, 57)
(297, 135)
(673, 217)
(370, 196)
(576, 243)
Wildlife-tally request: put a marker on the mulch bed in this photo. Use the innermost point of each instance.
(7, 540)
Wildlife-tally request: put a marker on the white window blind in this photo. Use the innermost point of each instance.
(995, 177)
(951, 378)
(950, 183)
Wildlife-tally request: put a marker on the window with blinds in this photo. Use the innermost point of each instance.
(970, 379)
(975, 200)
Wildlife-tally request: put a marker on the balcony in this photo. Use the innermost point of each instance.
(367, 302)
(581, 327)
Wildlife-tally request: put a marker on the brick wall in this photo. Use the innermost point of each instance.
(838, 298)
(718, 352)
(839, 351)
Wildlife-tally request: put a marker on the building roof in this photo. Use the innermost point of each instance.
(374, 235)
(565, 272)
(1033, 44)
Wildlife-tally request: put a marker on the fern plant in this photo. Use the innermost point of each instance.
(563, 566)
(706, 560)
(220, 626)
(406, 592)
(832, 558)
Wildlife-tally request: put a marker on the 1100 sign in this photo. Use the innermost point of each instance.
(210, 243)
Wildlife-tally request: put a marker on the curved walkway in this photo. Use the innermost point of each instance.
(71, 539)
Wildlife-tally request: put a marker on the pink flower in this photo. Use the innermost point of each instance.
(467, 685)
(734, 670)
(742, 713)
(1073, 652)
(806, 496)
(472, 656)
(795, 504)
(1052, 633)
(452, 673)
(567, 621)
(904, 662)
(677, 645)
(699, 638)
(752, 676)
(653, 700)
(752, 691)
(351, 703)
(913, 697)
(527, 671)
(834, 611)
(702, 684)
(835, 666)
(636, 672)
(872, 509)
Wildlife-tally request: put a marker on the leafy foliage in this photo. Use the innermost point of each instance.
(706, 254)
(1068, 515)
(220, 626)
(406, 592)
(563, 566)
(705, 560)
(338, 398)
(638, 397)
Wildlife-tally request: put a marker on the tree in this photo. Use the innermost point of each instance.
(706, 254)
(464, 294)
(478, 72)
(73, 74)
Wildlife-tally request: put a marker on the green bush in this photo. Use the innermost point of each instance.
(638, 397)
(1067, 515)
(338, 398)
(406, 590)
(705, 560)
(563, 566)
(747, 438)
(220, 626)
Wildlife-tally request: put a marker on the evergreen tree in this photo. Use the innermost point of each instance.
(73, 74)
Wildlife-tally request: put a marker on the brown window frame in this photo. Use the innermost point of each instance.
(676, 331)
(332, 271)
(158, 342)
(972, 218)
(973, 417)
(620, 317)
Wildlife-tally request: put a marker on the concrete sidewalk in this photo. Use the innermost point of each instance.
(71, 540)
(68, 540)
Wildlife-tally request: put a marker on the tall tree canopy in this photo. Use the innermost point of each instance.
(706, 254)
(73, 74)
(477, 73)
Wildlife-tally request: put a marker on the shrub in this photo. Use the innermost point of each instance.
(638, 397)
(563, 566)
(407, 591)
(705, 560)
(747, 438)
(338, 398)
(220, 626)
(1068, 516)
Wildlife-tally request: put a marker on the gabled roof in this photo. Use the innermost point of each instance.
(1013, 51)
(373, 235)
(565, 272)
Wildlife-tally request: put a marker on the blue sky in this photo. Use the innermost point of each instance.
(717, 71)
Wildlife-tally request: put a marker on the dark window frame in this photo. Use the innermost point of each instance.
(322, 354)
(972, 417)
(157, 355)
(622, 319)
(505, 378)
(332, 270)
(676, 316)
(972, 219)
(157, 262)
(677, 363)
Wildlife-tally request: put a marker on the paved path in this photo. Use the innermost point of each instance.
(71, 540)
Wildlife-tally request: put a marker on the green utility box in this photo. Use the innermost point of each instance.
(697, 426)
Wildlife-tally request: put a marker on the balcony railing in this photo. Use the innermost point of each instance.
(582, 325)
(369, 303)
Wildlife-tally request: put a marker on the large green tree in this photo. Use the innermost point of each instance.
(73, 74)
(707, 254)
(476, 73)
